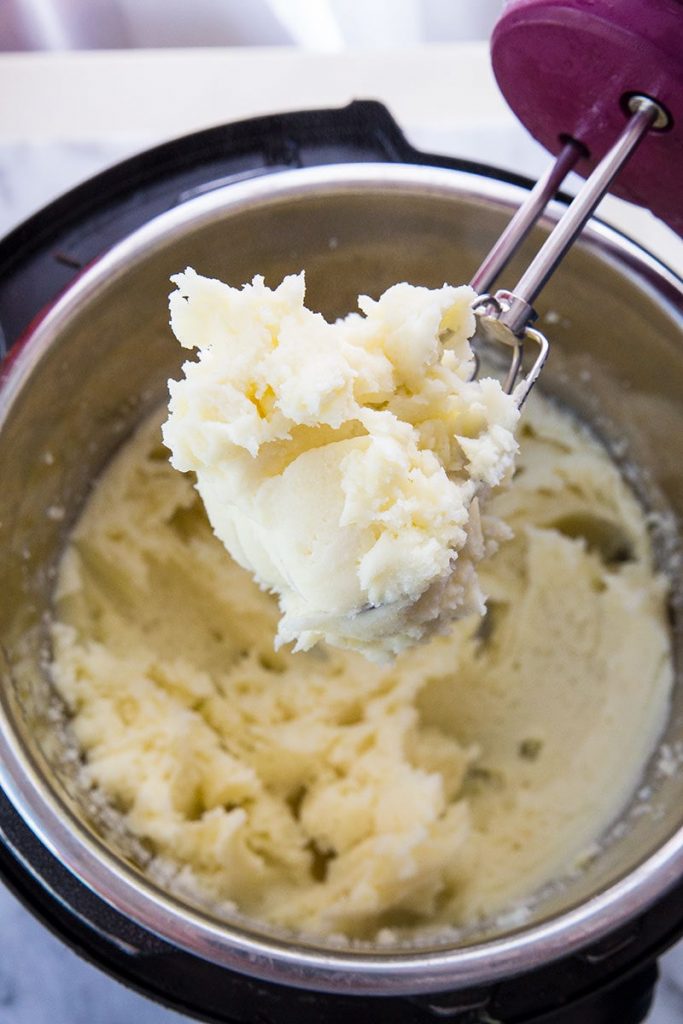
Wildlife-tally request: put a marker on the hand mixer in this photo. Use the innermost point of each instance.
(581, 75)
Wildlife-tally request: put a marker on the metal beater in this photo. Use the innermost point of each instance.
(589, 52)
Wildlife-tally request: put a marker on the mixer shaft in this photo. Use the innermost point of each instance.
(646, 113)
(526, 216)
(506, 316)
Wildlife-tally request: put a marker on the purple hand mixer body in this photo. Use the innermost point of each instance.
(565, 66)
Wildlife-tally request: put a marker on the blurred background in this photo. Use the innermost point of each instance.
(322, 25)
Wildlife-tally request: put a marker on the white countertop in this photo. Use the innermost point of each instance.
(68, 116)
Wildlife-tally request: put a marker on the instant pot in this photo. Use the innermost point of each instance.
(83, 309)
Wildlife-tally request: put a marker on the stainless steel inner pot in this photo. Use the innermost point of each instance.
(98, 361)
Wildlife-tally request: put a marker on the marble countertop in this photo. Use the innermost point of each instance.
(45, 150)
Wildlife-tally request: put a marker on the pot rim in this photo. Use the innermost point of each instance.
(284, 960)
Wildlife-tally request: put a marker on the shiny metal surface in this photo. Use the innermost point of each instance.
(505, 317)
(98, 360)
(645, 114)
(526, 216)
(492, 331)
(662, 119)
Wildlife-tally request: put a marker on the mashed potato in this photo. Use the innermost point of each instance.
(343, 464)
(330, 795)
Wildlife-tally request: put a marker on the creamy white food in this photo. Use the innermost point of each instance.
(343, 464)
(330, 795)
